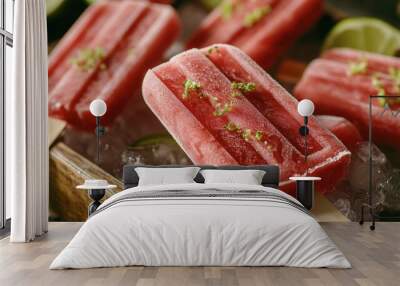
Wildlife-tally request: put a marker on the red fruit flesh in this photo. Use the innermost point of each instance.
(266, 39)
(133, 37)
(343, 129)
(268, 110)
(328, 83)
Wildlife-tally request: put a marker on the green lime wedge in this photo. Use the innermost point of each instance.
(54, 6)
(89, 2)
(154, 139)
(210, 4)
(366, 34)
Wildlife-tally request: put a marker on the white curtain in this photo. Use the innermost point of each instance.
(26, 124)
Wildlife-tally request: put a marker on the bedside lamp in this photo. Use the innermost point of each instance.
(98, 108)
(305, 108)
(96, 188)
(305, 184)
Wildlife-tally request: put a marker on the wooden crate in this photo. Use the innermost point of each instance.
(69, 169)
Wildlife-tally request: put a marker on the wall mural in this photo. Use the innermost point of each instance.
(214, 104)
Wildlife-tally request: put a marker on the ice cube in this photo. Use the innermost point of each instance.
(359, 168)
(353, 192)
(158, 153)
(391, 191)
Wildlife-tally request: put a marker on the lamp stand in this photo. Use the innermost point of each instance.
(304, 131)
(99, 132)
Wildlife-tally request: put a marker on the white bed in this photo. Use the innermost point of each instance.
(246, 225)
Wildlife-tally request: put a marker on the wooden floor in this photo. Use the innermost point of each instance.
(375, 257)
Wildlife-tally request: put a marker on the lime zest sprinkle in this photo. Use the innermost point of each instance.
(244, 86)
(189, 86)
(377, 84)
(235, 93)
(212, 49)
(259, 135)
(221, 110)
(256, 15)
(230, 126)
(88, 58)
(359, 67)
(246, 134)
(394, 74)
(382, 102)
(227, 9)
(214, 98)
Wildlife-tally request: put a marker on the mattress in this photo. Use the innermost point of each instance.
(201, 225)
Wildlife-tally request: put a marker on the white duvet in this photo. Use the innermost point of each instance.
(200, 231)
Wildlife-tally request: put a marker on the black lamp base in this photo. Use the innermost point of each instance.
(304, 131)
(96, 195)
(305, 193)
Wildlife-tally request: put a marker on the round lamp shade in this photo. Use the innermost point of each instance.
(98, 107)
(305, 108)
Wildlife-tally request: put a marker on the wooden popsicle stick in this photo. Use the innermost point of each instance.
(55, 128)
(325, 211)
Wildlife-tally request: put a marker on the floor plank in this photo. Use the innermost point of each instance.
(375, 257)
(325, 211)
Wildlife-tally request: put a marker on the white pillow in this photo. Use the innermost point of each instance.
(248, 177)
(163, 176)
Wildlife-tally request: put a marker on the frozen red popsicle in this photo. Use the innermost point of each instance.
(222, 108)
(105, 55)
(341, 82)
(263, 29)
(343, 129)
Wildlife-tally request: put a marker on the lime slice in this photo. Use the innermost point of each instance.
(54, 6)
(210, 4)
(366, 34)
(154, 139)
(90, 2)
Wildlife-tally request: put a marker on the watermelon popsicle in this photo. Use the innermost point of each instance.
(343, 129)
(263, 29)
(222, 108)
(105, 55)
(341, 82)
